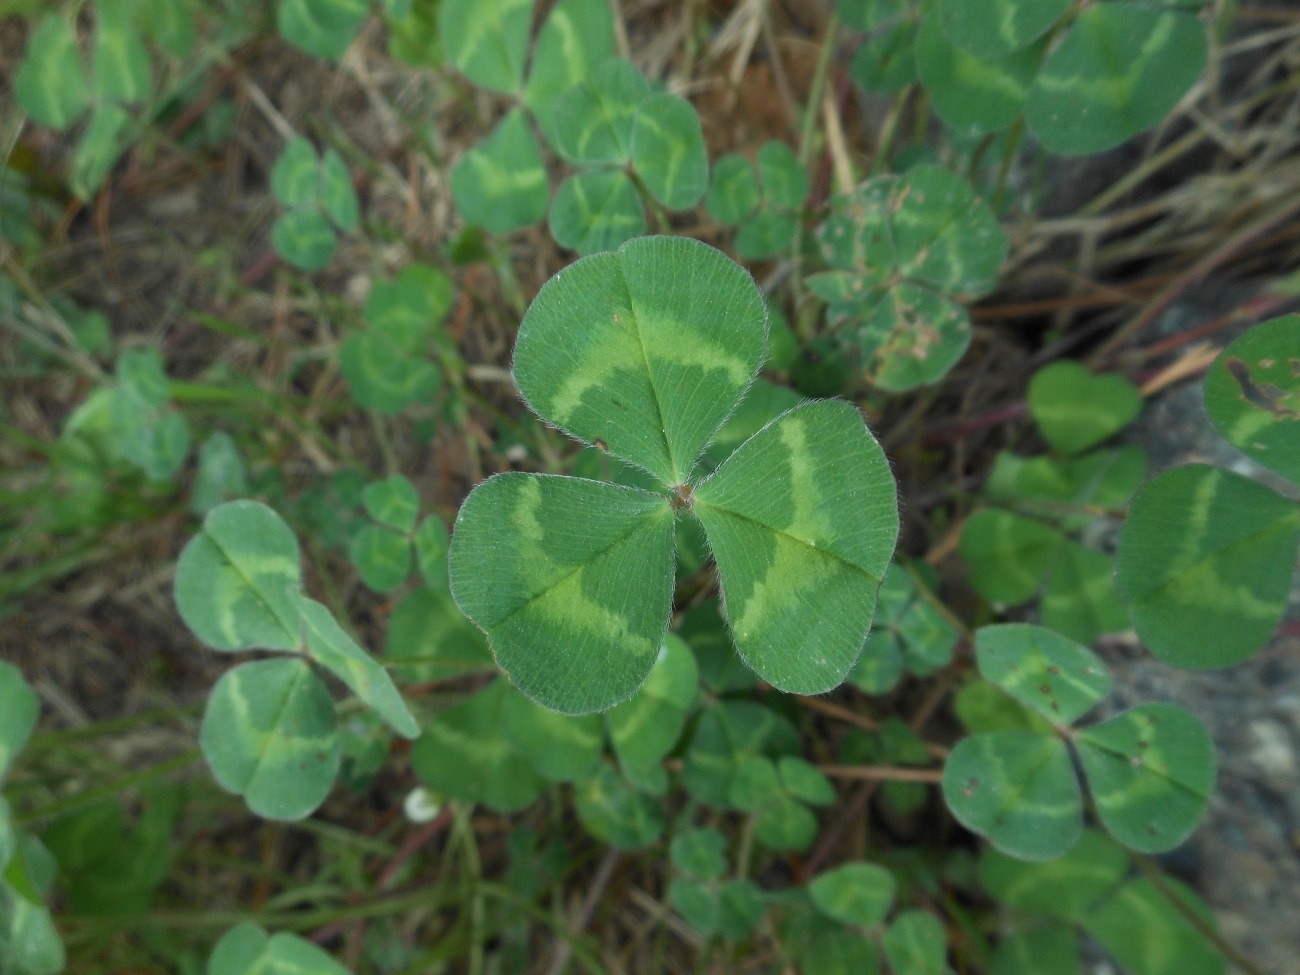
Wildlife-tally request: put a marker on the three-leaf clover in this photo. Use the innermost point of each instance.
(318, 196)
(644, 352)
(904, 252)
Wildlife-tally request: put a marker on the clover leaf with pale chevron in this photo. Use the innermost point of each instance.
(645, 352)
(1150, 770)
(269, 731)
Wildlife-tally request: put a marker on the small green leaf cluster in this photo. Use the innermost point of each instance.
(319, 201)
(1025, 545)
(247, 950)
(766, 204)
(1083, 79)
(383, 549)
(386, 366)
(904, 252)
(644, 352)
(325, 28)
(1207, 555)
(1150, 769)
(56, 86)
(1091, 889)
(130, 423)
(633, 145)
(29, 943)
(909, 634)
(270, 732)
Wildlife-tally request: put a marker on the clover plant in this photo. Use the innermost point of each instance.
(1083, 78)
(326, 28)
(766, 204)
(58, 87)
(643, 352)
(1026, 544)
(904, 252)
(317, 194)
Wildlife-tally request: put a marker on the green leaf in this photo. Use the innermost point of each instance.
(1079, 598)
(785, 825)
(886, 61)
(392, 502)
(323, 28)
(247, 950)
(464, 754)
(1252, 394)
(1076, 410)
(868, 14)
(646, 349)
(907, 630)
(336, 192)
(733, 191)
(1065, 888)
(915, 944)
(991, 29)
(617, 814)
(99, 148)
(645, 728)
(566, 577)
(381, 556)
(269, 734)
(668, 151)
(1018, 789)
(562, 748)
(911, 337)
(577, 37)
(596, 211)
(802, 520)
(1008, 554)
(755, 784)
(1149, 936)
(973, 95)
(740, 908)
(50, 84)
(1054, 949)
(333, 649)
(855, 893)
(783, 178)
(304, 238)
(19, 709)
(120, 62)
(221, 475)
(29, 941)
(805, 782)
(171, 24)
(295, 177)
(143, 372)
(384, 373)
(409, 308)
(235, 580)
(430, 639)
(729, 732)
(500, 184)
(430, 542)
(1151, 771)
(1119, 70)
(1039, 667)
(1205, 564)
(486, 40)
(592, 121)
(766, 234)
(699, 853)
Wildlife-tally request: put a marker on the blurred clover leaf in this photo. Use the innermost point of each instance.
(765, 204)
(1207, 556)
(319, 200)
(647, 350)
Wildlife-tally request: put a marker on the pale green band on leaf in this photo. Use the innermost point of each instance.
(570, 579)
